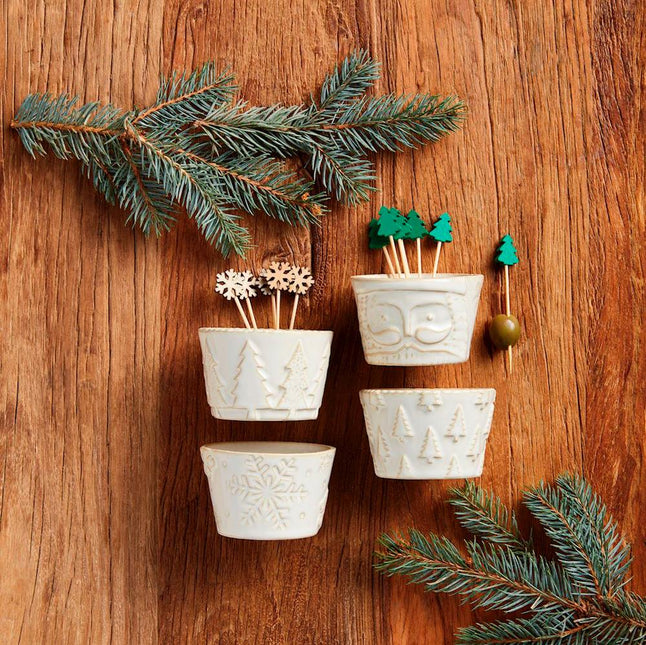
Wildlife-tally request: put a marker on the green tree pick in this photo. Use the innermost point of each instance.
(376, 241)
(417, 230)
(576, 596)
(389, 225)
(507, 253)
(403, 233)
(441, 233)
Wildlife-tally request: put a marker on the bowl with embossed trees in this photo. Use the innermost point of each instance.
(425, 320)
(267, 490)
(264, 374)
(428, 433)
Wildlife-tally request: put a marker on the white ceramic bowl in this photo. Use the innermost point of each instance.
(417, 321)
(263, 490)
(265, 374)
(428, 433)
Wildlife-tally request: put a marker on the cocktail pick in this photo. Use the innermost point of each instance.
(504, 329)
(228, 285)
(403, 232)
(247, 290)
(388, 227)
(416, 231)
(277, 277)
(301, 281)
(263, 287)
(441, 233)
(376, 241)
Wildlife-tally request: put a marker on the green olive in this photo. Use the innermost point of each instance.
(504, 331)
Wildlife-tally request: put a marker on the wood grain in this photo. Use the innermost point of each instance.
(106, 530)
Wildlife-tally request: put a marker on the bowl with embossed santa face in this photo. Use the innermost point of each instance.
(419, 320)
(428, 433)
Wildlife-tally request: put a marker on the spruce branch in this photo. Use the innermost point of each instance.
(578, 597)
(198, 149)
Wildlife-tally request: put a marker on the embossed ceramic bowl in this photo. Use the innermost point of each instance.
(428, 433)
(417, 321)
(264, 490)
(265, 374)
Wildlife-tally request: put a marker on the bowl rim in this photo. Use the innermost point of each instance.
(414, 277)
(229, 448)
(265, 330)
(417, 390)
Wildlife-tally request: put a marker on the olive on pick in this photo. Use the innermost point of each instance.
(504, 331)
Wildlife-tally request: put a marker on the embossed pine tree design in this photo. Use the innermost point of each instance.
(268, 491)
(402, 429)
(383, 449)
(320, 376)
(296, 385)
(431, 447)
(475, 449)
(454, 470)
(251, 379)
(429, 400)
(457, 428)
(404, 467)
(213, 377)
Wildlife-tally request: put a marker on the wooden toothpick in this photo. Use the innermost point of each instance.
(402, 250)
(441, 233)
(508, 312)
(437, 257)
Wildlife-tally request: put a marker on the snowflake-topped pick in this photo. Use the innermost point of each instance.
(277, 276)
(248, 284)
(301, 280)
(228, 284)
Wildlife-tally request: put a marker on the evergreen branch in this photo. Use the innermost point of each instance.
(575, 599)
(182, 98)
(506, 580)
(524, 631)
(346, 176)
(578, 547)
(197, 149)
(352, 78)
(484, 515)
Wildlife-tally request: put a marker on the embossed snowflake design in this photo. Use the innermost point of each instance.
(228, 284)
(268, 491)
(301, 280)
(277, 276)
(247, 285)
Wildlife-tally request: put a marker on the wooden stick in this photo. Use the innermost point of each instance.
(402, 250)
(241, 310)
(294, 307)
(419, 257)
(250, 309)
(508, 311)
(437, 257)
(273, 309)
(278, 309)
(389, 261)
(395, 256)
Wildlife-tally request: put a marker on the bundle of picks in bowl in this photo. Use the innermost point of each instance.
(409, 317)
(265, 374)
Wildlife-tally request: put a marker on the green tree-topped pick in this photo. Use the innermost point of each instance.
(196, 149)
(441, 233)
(577, 597)
(376, 241)
(389, 223)
(507, 253)
(417, 230)
(403, 233)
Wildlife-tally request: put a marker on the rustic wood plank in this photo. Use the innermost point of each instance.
(106, 529)
(80, 349)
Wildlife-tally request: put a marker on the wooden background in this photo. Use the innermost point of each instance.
(106, 530)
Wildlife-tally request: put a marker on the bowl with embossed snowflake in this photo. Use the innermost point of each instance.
(428, 433)
(268, 490)
(425, 320)
(265, 374)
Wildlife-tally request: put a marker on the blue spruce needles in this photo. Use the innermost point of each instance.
(199, 150)
(576, 598)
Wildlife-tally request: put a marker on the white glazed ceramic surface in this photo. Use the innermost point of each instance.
(428, 434)
(265, 374)
(416, 321)
(265, 490)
